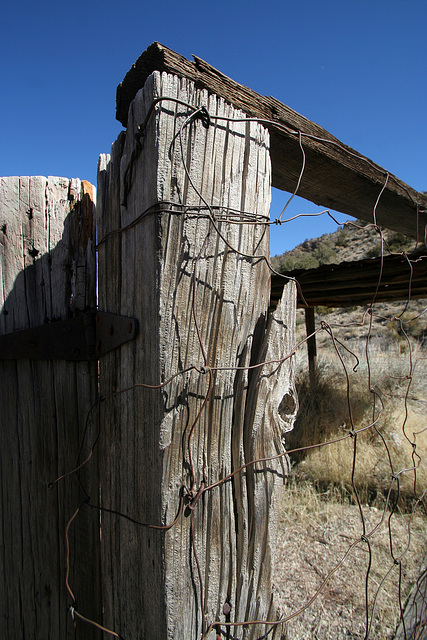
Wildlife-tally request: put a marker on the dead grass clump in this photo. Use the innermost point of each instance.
(324, 408)
(374, 419)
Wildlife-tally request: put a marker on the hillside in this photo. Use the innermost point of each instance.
(357, 241)
(354, 241)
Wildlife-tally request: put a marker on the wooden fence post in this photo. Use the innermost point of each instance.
(47, 272)
(179, 251)
(310, 327)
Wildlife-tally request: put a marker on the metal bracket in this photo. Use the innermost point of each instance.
(87, 336)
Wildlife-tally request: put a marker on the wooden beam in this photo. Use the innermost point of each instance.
(203, 316)
(335, 175)
(357, 283)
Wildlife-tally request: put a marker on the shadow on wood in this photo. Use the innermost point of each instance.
(48, 273)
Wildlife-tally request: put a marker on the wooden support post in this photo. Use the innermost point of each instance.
(310, 327)
(183, 260)
(47, 270)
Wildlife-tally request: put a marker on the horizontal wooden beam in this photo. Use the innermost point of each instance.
(358, 283)
(335, 175)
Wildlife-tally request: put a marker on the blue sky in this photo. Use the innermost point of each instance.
(356, 67)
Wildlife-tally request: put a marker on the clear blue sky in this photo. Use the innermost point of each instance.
(356, 67)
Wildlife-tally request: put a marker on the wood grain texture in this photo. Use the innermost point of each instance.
(336, 176)
(47, 272)
(200, 304)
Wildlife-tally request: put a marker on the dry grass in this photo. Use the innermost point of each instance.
(364, 485)
(316, 533)
(388, 413)
(359, 486)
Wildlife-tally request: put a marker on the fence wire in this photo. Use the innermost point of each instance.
(348, 360)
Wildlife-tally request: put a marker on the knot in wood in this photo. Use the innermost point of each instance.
(287, 406)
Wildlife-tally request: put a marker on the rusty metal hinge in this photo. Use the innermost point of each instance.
(87, 336)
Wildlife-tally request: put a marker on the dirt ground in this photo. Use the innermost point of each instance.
(312, 545)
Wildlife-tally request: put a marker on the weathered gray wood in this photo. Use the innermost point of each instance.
(335, 175)
(47, 272)
(151, 582)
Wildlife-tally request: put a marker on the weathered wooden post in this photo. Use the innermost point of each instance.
(47, 267)
(310, 327)
(183, 203)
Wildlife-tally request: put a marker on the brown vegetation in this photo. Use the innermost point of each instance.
(353, 521)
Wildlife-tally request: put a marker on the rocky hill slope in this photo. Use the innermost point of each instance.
(354, 241)
(357, 241)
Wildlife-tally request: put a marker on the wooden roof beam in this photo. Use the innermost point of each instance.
(335, 175)
(358, 283)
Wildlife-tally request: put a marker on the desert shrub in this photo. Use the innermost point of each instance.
(275, 262)
(300, 318)
(322, 310)
(374, 251)
(361, 223)
(416, 328)
(325, 252)
(303, 260)
(342, 239)
(411, 325)
(309, 255)
(394, 242)
(398, 242)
